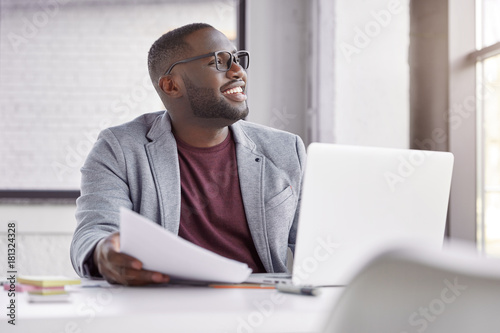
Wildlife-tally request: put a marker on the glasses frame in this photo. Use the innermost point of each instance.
(213, 54)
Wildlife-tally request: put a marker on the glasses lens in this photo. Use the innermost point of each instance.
(243, 59)
(223, 61)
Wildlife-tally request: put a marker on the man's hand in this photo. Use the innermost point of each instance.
(117, 267)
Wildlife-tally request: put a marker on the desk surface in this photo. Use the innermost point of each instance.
(172, 309)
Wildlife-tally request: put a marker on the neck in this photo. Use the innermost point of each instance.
(200, 137)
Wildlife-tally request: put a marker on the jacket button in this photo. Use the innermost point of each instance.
(257, 159)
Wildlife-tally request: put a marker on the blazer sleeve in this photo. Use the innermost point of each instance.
(301, 156)
(104, 188)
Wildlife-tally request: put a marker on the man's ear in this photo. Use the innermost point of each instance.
(169, 85)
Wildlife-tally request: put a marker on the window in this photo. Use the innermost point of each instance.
(488, 133)
(69, 69)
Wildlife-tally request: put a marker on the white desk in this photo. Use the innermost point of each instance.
(172, 309)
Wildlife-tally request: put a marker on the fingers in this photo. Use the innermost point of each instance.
(133, 277)
(117, 267)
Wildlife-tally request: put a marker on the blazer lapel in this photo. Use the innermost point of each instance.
(163, 159)
(250, 172)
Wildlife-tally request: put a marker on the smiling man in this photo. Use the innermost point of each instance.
(198, 169)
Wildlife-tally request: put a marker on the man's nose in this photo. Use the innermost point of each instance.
(236, 71)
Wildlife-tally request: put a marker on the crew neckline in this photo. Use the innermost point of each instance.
(218, 147)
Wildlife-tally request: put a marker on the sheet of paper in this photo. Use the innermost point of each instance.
(162, 251)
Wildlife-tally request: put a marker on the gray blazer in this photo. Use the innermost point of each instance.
(135, 165)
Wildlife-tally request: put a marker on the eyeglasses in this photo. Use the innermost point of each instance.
(223, 60)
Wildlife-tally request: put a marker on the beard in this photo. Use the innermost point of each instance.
(205, 104)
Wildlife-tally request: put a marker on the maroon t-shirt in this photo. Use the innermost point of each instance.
(212, 211)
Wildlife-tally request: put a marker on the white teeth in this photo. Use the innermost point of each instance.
(233, 91)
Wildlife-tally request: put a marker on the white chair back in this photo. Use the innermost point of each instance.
(410, 290)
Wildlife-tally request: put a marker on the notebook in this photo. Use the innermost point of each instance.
(356, 200)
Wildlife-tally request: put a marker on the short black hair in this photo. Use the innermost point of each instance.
(169, 48)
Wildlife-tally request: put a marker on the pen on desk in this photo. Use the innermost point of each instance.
(242, 286)
(298, 290)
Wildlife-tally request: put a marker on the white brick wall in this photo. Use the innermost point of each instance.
(39, 254)
(73, 69)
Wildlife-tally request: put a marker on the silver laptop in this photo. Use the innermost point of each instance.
(356, 200)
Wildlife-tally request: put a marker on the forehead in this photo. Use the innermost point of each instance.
(208, 40)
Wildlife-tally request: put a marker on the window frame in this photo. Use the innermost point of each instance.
(462, 139)
(465, 61)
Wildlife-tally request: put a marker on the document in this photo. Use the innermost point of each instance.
(160, 250)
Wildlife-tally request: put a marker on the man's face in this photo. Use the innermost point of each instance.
(212, 93)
